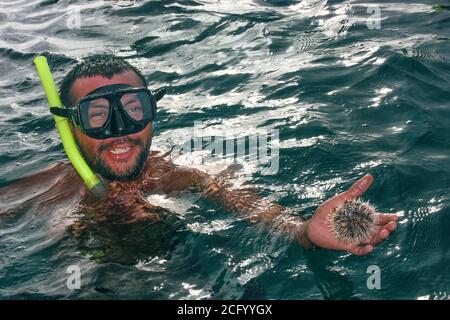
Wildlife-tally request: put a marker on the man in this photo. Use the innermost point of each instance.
(113, 130)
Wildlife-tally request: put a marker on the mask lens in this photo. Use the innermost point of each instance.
(94, 113)
(133, 106)
(138, 105)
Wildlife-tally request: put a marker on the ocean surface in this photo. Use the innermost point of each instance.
(351, 87)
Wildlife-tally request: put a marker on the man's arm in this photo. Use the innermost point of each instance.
(243, 201)
(315, 231)
(253, 207)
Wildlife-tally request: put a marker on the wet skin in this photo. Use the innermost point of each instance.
(120, 156)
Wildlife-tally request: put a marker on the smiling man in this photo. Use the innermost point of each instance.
(112, 113)
(119, 151)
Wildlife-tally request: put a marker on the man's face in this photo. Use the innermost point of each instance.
(119, 158)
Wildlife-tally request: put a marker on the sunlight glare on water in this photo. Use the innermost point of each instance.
(346, 99)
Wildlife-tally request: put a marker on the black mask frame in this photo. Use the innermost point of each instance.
(119, 123)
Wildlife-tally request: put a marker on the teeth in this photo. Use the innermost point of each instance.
(120, 150)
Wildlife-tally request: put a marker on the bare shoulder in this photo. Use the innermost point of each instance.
(162, 174)
(53, 172)
(160, 161)
(52, 184)
(157, 170)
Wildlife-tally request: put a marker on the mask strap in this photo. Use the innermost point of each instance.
(160, 93)
(61, 112)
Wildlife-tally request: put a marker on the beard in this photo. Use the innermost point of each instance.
(97, 163)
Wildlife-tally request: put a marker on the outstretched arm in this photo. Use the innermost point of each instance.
(315, 231)
(244, 201)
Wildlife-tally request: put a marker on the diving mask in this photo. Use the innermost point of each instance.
(113, 111)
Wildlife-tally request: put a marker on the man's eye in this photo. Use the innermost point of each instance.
(135, 109)
(97, 114)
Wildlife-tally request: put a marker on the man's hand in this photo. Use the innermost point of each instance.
(313, 231)
(317, 229)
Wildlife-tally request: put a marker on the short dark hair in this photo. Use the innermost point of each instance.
(106, 65)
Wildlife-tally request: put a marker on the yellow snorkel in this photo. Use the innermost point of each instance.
(90, 179)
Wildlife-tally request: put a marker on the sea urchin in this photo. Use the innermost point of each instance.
(354, 221)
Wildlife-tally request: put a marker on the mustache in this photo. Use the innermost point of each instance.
(105, 146)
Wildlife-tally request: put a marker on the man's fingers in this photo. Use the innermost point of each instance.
(391, 226)
(385, 218)
(359, 187)
(379, 236)
(384, 232)
(360, 250)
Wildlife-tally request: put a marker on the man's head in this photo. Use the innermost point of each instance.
(117, 158)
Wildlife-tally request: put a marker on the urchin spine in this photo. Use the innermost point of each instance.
(354, 221)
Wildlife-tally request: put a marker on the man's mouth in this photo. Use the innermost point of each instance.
(121, 152)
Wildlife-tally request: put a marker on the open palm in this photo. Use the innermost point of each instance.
(319, 233)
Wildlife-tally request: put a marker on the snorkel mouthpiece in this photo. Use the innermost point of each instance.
(90, 179)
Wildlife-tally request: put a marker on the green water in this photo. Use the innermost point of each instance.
(347, 99)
